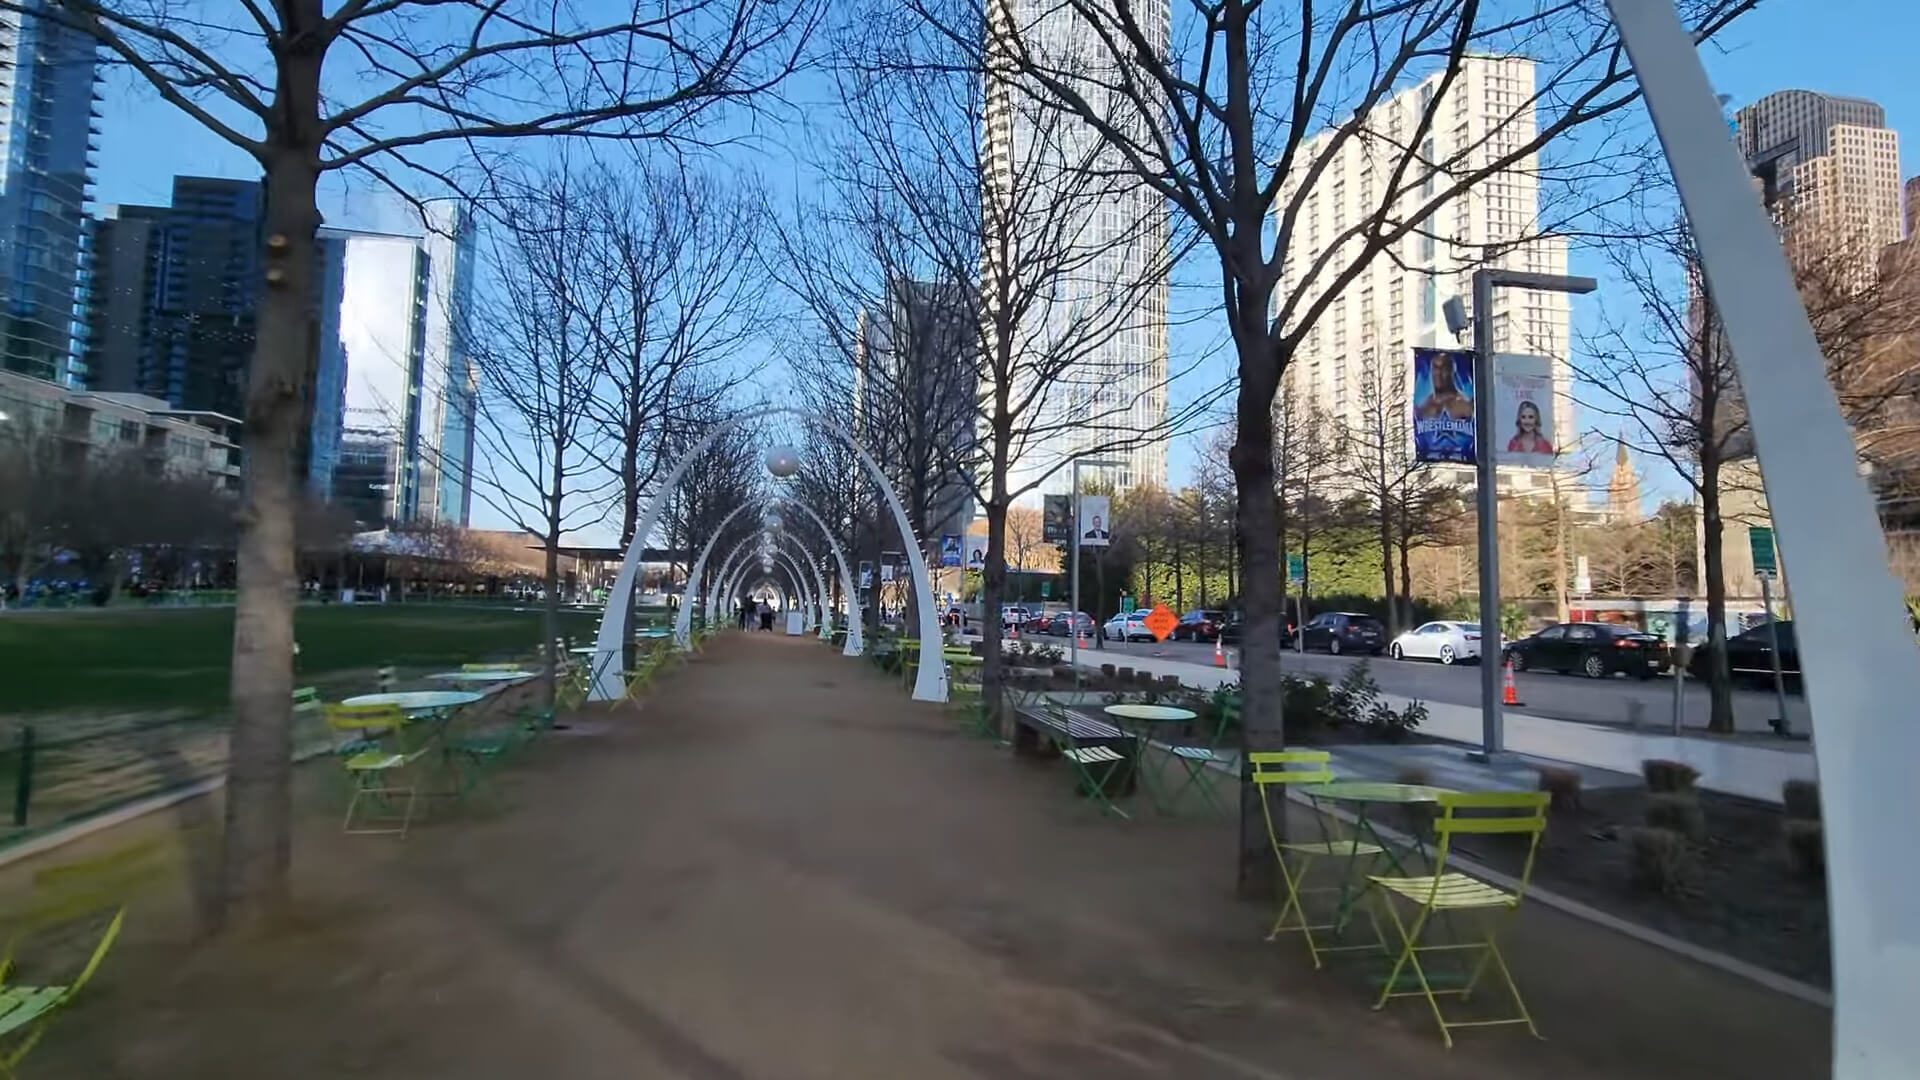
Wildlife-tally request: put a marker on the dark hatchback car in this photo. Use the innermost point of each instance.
(1750, 656)
(1345, 631)
(1199, 626)
(1593, 649)
(1058, 622)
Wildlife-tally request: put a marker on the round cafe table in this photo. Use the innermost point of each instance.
(1151, 714)
(1360, 797)
(418, 702)
(482, 677)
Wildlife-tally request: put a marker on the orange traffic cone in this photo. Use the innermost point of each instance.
(1508, 695)
(1219, 654)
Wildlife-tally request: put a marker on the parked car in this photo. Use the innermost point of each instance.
(1749, 656)
(1012, 615)
(1199, 626)
(1447, 642)
(1345, 631)
(1595, 649)
(1057, 626)
(1128, 626)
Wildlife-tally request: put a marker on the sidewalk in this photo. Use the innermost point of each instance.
(1729, 766)
(781, 868)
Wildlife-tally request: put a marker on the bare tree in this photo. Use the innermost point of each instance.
(675, 249)
(419, 74)
(1236, 121)
(535, 346)
(1066, 263)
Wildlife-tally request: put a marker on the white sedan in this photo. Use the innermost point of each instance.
(1446, 642)
(1128, 626)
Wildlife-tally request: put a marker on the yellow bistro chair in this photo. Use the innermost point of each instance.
(1273, 770)
(1518, 813)
(382, 760)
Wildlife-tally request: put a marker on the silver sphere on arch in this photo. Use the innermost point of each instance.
(783, 461)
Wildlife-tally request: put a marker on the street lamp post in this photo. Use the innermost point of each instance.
(1486, 497)
(1073, 540)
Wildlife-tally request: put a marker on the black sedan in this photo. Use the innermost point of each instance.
(1058, 623)
(1750, 656)
(1199, 626)
(1594, 649)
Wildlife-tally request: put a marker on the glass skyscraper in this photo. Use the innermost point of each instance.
(48, 121)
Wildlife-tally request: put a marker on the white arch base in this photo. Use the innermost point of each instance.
(609, 656)
(1856, 641)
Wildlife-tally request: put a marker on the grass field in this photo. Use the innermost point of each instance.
(176, 660)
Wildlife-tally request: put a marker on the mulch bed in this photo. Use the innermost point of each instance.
(1746, 901)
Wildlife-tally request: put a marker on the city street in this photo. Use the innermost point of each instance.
(1565, 697)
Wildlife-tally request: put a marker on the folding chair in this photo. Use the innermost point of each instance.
(67, 901)
(1514, 813)
(1271, 775)
(383, 760)
(1093, 766)
(1196, 759)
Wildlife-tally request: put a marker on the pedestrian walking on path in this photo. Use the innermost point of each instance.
(766, 616)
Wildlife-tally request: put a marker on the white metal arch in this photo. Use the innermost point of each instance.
(856, 642)
(782, 565)
(609, 655)
(821, 621)
(723, 581)
(807, 597)
(683, 622)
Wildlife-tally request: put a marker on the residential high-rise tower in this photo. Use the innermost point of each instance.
(1088, 245)
(1356, 362)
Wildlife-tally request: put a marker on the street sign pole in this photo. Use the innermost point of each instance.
(1073, 559)
(1782, 724)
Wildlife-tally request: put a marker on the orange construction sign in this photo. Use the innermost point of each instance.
(1161, 622)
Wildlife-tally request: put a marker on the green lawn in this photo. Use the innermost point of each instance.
(177, 659)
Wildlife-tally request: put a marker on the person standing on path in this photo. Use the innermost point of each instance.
(766, 616)
(746, 613)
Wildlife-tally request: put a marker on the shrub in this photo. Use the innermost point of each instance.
(1806, 847)
(1668, 776)
(1802, 799)
(1307, 703)
(1352, 701)
(1562, 787)
(1663, 861)
(1385, 724)
(1677, 812)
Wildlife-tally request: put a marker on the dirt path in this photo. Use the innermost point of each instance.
(780, 868)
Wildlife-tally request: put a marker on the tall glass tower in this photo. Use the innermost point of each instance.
(48, 121)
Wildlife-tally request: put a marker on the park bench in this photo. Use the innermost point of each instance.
(1104, 757)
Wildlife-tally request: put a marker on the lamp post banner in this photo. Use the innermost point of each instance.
(976, 552)
(1443, 397)
(1523, 410)
(950, 549)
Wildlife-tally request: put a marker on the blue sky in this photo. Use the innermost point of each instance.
(1858, 47)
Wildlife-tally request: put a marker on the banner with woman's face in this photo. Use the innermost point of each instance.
(1523, 411)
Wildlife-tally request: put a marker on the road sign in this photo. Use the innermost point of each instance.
(1582, 576)
(1760, 540)
(1046, 588)
(1161, 622)
(1296, 570)
(1126, 604)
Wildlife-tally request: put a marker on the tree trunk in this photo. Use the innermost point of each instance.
(1560, 556)
(1386, 564)
(1256, 514)
(1719, 680)
(258, 842)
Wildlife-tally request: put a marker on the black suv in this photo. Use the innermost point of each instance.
(1345, 631)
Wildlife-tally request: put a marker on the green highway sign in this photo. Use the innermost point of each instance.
(1296, 569)
(1046, 588)
(1760, 540)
